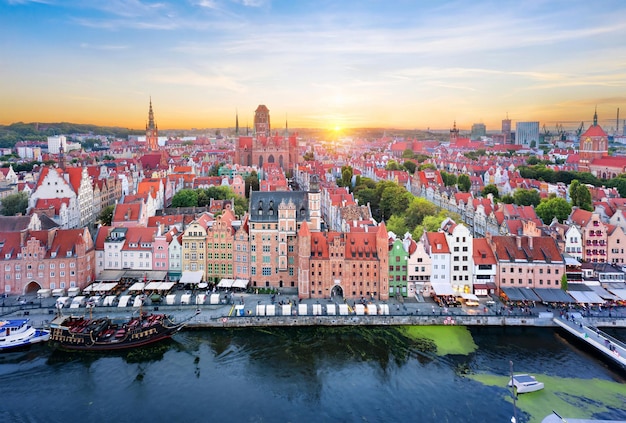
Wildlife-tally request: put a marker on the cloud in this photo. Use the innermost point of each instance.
(106, 47)
(182, 76)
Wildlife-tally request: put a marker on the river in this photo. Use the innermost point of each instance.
(416, 374)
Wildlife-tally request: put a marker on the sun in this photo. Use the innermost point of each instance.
(337, 128)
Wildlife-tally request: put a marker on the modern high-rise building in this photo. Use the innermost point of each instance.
(478, 130)
(506, 130)
(56, 143)
(526, 133)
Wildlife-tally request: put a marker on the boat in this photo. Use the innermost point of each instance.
(106, 334)
(525, 383)
(555, 418)
(19, 333)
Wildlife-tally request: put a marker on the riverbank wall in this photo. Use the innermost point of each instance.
(201, 322)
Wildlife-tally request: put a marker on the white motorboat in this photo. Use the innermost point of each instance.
(19, 333)
(525, 383)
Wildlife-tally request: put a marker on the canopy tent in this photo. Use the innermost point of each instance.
(137, 286)
(159, 286)
(77, 302)
(123, 301)
(520, 294)
(44, 293)
(603, 293)
(108, 300)
(621, 293)
(100, 287)
(470, 297)
(226, 283)
(241, 283)
(149, 275)
(586, 297)
(110, 275)
(443, 289)
(553, 295)
(191, 277)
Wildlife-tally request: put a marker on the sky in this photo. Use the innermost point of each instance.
(315, 64)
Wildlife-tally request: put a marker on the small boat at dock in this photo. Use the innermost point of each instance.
(19, 333)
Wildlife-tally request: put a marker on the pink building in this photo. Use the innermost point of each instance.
(527, 262)
(47, 259)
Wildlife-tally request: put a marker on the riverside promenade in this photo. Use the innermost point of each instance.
(244, 310)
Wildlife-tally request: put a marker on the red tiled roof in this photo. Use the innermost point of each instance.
(483, 254)
(437, 242)
(544, 249)
(594, 131)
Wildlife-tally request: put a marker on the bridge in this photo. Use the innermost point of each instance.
(575, 324)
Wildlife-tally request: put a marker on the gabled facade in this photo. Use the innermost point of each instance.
(48, 259)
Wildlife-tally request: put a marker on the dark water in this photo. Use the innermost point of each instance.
(291, 375)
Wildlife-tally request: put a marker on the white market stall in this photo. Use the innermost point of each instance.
(77, 302)
(73, 291)
(200, 298)
(260, 310)
(214, 299)
(170, 299)
(191, 277)
(124, 299)
(44, 293)
(302, 310)
(331, 309)
(317, 309)
(108, 300)
(343, 309)
(371, 309)
(286, 310)
(185, 299)
(359, 309)
(270, 310)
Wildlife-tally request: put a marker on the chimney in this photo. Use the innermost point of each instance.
(530, 242)
(519, 242)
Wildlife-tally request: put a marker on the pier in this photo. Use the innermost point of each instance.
(577, 326)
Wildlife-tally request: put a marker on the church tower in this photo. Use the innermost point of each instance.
(454, 134)
(262, 121)
(594, 144)
(152, 131)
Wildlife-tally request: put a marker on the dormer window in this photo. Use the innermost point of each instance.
(7, 256)
(53, 254)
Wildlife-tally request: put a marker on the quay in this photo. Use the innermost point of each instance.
(582, 330)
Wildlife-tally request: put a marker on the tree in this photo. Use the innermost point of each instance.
(557, 207)
(397, 225)
(410, 166)
(448, 178)
(408, 154)
(508, 199)
(491, 189)
(14, 204)
(425, 166)
(346, 176)
(185, 198)
(464, 183)
(532, 160)
(533, 144)
(308, 156)
(106, 215)
(394, 201)
(526, 197)
(251, 181)
(418, 209)
(580, 196)
(392, 165)
(564, 282)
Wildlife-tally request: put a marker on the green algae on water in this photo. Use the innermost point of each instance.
(447, 339)
(570, 397)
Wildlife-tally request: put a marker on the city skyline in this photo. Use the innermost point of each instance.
(397, 64)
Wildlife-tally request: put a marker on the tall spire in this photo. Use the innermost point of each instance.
(595, 117)
(286, 126)
(150, 116)
(236, 122)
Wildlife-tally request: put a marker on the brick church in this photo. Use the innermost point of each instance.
(264, 147)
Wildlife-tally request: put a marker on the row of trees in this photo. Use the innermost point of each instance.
(201, 197)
